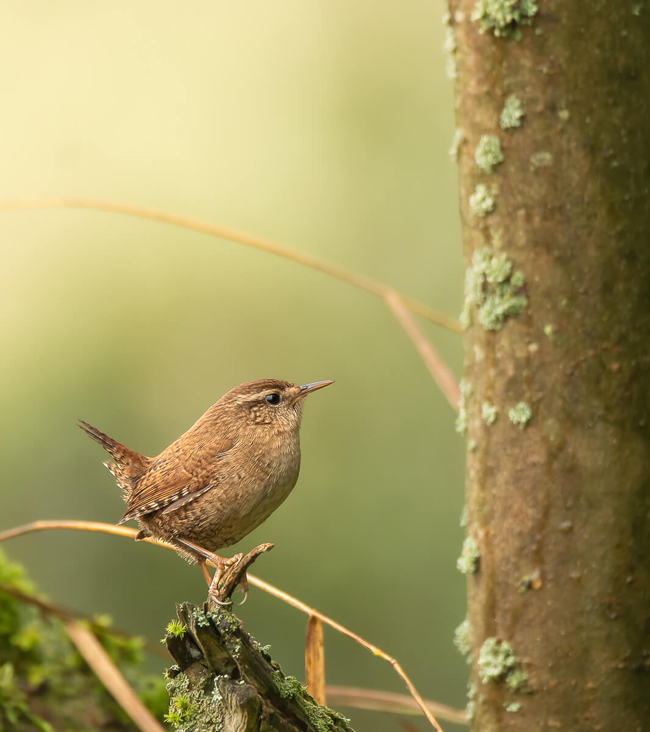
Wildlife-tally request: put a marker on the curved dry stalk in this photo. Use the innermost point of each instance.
(441, 373)
(100, 527)
(390, 702)
(241, 237)
(315, 660)
(108, 673)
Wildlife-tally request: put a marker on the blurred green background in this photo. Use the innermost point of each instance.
(324, 126)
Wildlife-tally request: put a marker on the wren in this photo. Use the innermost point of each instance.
(223, 477)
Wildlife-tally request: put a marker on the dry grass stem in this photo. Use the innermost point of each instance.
(241, 237)
(441, 373)
(99, 527)
(390, 702)
(315, 660)
(108, 673)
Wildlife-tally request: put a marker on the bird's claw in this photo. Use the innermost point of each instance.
(232, 572)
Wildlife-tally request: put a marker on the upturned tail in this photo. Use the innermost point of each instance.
(129, 466)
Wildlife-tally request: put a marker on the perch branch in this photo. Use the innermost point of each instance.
(214, 653)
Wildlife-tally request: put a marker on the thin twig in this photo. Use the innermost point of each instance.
(315, 660)
(108, 673)
(241, 237)
(441, 373)
(265, 586)
(388, 701)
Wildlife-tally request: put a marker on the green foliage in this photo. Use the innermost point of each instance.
(175, 629)
(14, 709)
(39, 659)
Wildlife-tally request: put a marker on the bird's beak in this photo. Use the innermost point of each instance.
(308, 388)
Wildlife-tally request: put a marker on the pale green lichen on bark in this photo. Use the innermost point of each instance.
(514, 707)
(520, 415)
(504, 17)
(465, 393)
(541, 159)
(462, 640)
(464, 516)
(488, 153)
(516, 678)
(469, 558)
(471, 703)
(192, 709)
(449, 47)
(511, 114)
(322, 718)
(497, 662)
(489, 412)
(456, 142)
(482, 201)
(493, 288)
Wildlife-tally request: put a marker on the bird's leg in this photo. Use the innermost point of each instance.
(220, 563)
(205, 570)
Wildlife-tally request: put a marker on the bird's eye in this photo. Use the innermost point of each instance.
(273, 399)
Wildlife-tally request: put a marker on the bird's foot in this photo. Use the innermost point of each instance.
(229, 572)
(222, 566)
(232, 572)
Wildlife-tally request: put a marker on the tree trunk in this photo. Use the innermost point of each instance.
(553, 108)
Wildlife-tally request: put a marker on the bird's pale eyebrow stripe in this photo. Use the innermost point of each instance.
(258, 395)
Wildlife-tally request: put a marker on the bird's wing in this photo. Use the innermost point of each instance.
(176, 477)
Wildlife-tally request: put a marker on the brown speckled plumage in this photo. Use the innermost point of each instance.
(224, 476)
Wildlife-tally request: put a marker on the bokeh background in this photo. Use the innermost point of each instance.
(324, 126)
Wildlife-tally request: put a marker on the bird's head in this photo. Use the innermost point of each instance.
(272, 402)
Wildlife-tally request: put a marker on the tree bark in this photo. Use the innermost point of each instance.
(225, 680)
(556, 227)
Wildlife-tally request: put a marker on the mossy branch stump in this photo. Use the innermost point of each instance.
(224, 680)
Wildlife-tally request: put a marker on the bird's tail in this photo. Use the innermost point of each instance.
(129, 466)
